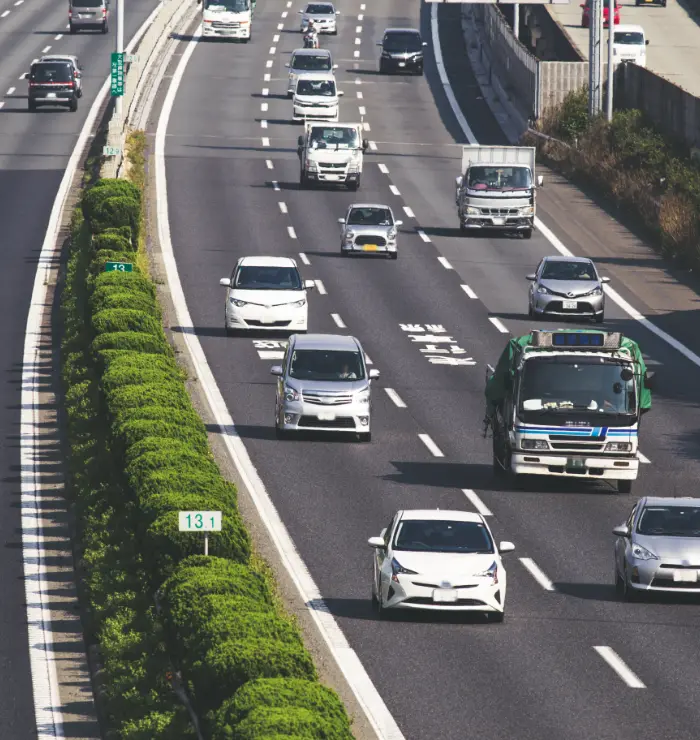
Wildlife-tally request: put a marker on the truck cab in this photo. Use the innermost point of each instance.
(227, 19)
(331, 153)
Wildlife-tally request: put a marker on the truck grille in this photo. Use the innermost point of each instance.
(500, 211)
(332, 165)
(588, 446)
(380, 241)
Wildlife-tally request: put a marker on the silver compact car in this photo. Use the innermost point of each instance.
(658, 548)
(567, 286)
(369, 228)
(323, 385)
(307, 60)
(323, 16)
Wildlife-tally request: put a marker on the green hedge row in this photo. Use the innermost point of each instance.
(138, 455)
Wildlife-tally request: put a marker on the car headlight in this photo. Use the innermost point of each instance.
(290, 394)
(534, 444)
(544, 291)
(362, 396)
(597, 291)
(349, 234)
(397, 569)
(471, 211)
(299, 304)
(491, 572)
(618, 446)
(392, 234)
(641, 553)
(238, 303)
(527, 211)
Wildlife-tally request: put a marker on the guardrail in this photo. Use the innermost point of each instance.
(137, 67)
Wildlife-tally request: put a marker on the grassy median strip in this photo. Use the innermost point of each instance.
(647, 177)
(139, 454)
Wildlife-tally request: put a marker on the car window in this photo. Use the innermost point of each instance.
(568, 271)
(52, 72)
(402, 41)
(88, 4)
(319, 9)
(251, 277)
(230, 6)
(670, 521)
(325, 88)
(629, 37)
(387, 533)
(312, 62)
(435, 535)
(329, 365)
(323, 137)
(370, 217)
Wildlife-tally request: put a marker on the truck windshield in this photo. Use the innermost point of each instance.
(228, 6)
(323, 137)
(565, 384)
(499, 178)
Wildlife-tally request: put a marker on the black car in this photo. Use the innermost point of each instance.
(52, 83)
(402, 51)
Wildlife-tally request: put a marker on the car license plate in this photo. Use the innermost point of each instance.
(402, 64)
(575, 464)
(685, 576)
(445, 595)
(50, 95)
(267, 320)
(326, 416)
(499, 221)
(370, 248)
(571, 305)
(332, 177)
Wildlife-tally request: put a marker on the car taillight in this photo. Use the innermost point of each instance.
(104, 12)
(70, 13)
(71, 84)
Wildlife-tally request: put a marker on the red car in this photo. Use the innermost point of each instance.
(586, 15)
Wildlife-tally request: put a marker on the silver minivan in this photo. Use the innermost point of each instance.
(323, 384)
(88, 14)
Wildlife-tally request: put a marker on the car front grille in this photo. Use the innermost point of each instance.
(429, 602)
(278, 324)
(342, 422)
(321, 400)
(380, 241)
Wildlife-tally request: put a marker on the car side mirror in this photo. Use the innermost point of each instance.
(540, 181)
(373, 373)
(649, 381)
(335, 66)
(621, 531)
(365, 145)
(376, 542)
(340, 93)
(531, 277)
(379, 43)
(341, 220)
(287, 66)
(605, 280)
(646, 43)
(300, 141)
(226, 282)
(425, 43)
(276, 370)
(398, 223)
(506, 547)
(459, 180)
(309, 284)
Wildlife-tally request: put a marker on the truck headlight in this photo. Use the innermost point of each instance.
(618, 447)
(312, 166)
(290, 394)
(471, 211)
(527, 211)
(534, 444)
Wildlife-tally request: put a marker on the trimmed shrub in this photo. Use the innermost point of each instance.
(125, 319)
(264, 722)
(168, 455)
(136, 377)
(111, 297)
(107, 188)
(109, 255)
(113, 240)
(186, 482)
(117, 210)
(188, 419)
(167, 394)
(160, 445)
(134, 431)
(137, 341)
(122, 364)
(127, 281)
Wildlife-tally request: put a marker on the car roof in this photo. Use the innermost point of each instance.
(326, 341)
(320, 74)
(629, 27)
(669, 501)
(312, 52)
(320, 2)
(368, 205)
(51, 61)
(450, 515)
(402, 30)
(51, 57)
(267, 262)
(562, 258)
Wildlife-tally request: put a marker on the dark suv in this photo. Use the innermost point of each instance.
(402, 51)
(52, 83)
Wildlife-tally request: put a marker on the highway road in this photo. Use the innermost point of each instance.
(34, 151)
(232, 175)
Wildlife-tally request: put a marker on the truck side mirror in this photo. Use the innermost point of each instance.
(649, 382)
(458, 181)
(365, 145)
(540, 181)
(646, 43)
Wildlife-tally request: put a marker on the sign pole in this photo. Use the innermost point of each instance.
(206, 544)
(611, 41)
(118, 111)
(516, 20)
(595, 22)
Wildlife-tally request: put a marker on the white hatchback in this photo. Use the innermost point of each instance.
(266, 294)
(439, 559)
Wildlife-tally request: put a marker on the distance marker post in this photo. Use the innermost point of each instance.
(200, 521)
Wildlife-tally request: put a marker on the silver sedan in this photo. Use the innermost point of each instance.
(567, 286)
(658, 547)
(369, 227)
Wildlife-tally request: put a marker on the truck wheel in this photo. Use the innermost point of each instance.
(355, 185)
(498, 469)
(527, 234)
(624, 486)
(303, 182)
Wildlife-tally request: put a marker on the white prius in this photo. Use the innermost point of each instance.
(436, 559)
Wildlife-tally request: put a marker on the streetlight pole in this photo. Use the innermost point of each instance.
(516, 20)
(595, 23)
(611, 41)
(120, 50)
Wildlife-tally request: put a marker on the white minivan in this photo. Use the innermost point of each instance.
(630, 45)
(316, 97)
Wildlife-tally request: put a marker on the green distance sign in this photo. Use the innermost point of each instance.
(119, 267)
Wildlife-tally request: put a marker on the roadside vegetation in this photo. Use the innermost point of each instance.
(164, 617)
(651, 180)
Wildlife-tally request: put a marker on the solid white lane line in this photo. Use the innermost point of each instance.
(434, 449)
(45, 49)
(273, 50)
(619, 666)
(4, 14)
(358, 42)
(476, 502)
(359, 95)
(445, 263)
(304, 258)
(498, 324)
(263, 107)
(643, 458)
(291, 232)
(275, 38)
(263, 124)
(11, 90)
(266, 78)
(382, 167)
(365, 126)
(265, 141)
(395, 397)
(362, 110)
(320, 287)
(268, 164)
(338, 321)
(537, 574)
(423, 235)
(468, 291)
(373, 146)
(358, 29)
(275, 185)
(283, 207)
(268, 63)
(409, 212)
(394, 190)
(265, 92)
(58, 37)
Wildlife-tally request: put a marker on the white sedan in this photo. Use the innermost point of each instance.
(266, 294)
(432, 559)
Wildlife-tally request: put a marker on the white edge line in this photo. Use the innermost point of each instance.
(537, 574)
(428, 442)
(347, 659)
(42, 657)
(476, 502)
(498, 324)
(469, 291)
(619, 666)
(395, 397)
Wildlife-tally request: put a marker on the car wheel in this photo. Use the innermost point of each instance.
(527, 233)
(624, 486)
(73, 107)
(31, 105)
(71, 28)
(303, 181)
(619, 583)
(355, 185)
(280, 433)
(364, 437)
(382, 68)
(496, 617)
(393, 255)
(628, 593)
(105, 28)
(419, 72)
(530, 310)
(600, 318)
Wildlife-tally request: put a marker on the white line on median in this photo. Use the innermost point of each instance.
(498, 324)
(19, 2)
(291, 232)
(275, 185)
(356, 54)
(382, 167)
(537, 574)
(268, 63)
(358, 29)
(361, 109)
(304, 258)
(275, 38)
(263, 124)
(280, 26)
(338, 321)
(468, 291)
(358, 41)
(365, 126)
(395, 397)
(445, 263)
(409, 212)
(283, 207)
(58, 37)
(363, 7)
(273, 49)
(265, 92)
(45, 49)
(11, 90)
(619, 666)
(264, 107)
(266, 77)
(359, 95)
(4, 14)
(361, 17)
(320, 287)
(284, 14)
(476, 502)
(434, 449)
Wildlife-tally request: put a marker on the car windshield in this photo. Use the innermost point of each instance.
(251, 277)
(670, 521)
(562, 384)
(435, 535)
(323, 137)
(499, 178)
(319, 9)
(402, 41)
(322, 364)
(629, 37)
(52, 72)
(370, 217)
(556, 270)
(325, 88)
(229, 6)
(311, 62)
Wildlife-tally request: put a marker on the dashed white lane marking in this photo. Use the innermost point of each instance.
(358, 81)
(338, 321)
(468, 291)
(382, 167)
(619, 666)
(445, 263)
(409, 212)
(273, 50)
(45, 49)
(358, 29)
(264, 107)
(265, 92)
(423, 235)
(280, 26)
(363, 7)
(291, 232)
(360, 17)
(284, 14)
(320, 287)
(4, 14)
(362, 110)
(265, 141)
(359, 95)
(58, 37)
(476, 502)
(394, 190)
(19, 2)
(270, 354)
(356, 54)
(643, 458)
(275, 38)
(283, 207)
(269, 165)
(358, 41)
(373, 146)
(11, 90)
(289, 3)
(2, 103)
(395, 397)
(537, 574)
(275, 186)
(498, 324)
(268, 63)
(266, 78)
(365, 126)
(263, 124)
(434, 449)
(304, 258)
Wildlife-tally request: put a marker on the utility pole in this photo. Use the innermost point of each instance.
(120, 50)
(595, 21)
(611, 41)
(516, 20)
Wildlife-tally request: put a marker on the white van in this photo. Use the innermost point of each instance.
(630, 45)
(316, 97)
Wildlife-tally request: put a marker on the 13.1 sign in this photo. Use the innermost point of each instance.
(200, 521)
